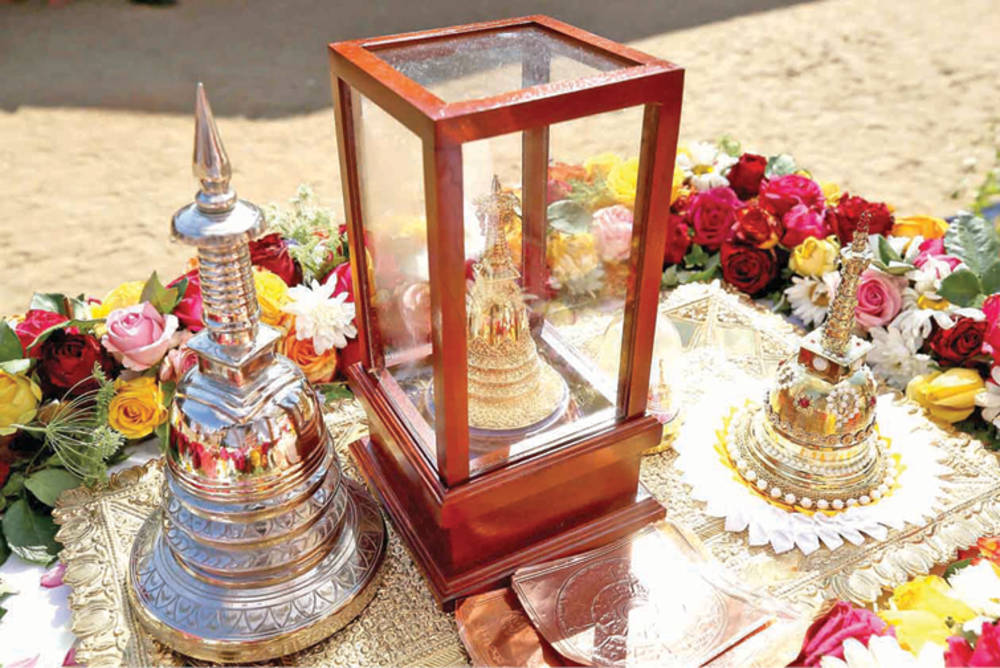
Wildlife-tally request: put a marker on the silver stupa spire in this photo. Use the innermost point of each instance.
(261, 547)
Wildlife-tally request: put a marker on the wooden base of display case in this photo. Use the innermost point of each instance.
(470, 537)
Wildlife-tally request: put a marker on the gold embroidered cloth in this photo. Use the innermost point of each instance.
(403, 627)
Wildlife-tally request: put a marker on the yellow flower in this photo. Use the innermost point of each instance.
(815, 257)
(601, 165)
(939, 304)
(126, 294)
(677, 185)
(622, 180)
(927, 227)
(19, 397)
(948, 396)
(137, 407)
(922, 607)
(272, 295)
(571, 256)
(831, 191)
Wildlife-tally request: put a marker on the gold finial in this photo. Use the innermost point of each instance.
(496, 213)
(840, 323)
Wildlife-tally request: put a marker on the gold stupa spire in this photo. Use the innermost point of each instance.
(840, 323)
(510, 386)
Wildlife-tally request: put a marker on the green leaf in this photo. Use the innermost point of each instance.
(14, 484)
(14, 367)
(162, 432)
(779, 165)
(696, 257)
(10, 345)
(48, 484)
(991, 279)
(730, 146)
(960, 287)
(4, 549)
(335, 391)
(568, 216)
(974, 241)
(955, 567)
(162, 299)
(30, 533)
(710, 271)
(886, 252)
(670, 278)
(50, 301)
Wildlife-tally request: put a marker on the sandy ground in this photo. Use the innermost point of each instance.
(896, 101)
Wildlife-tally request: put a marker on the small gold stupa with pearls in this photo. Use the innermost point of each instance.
(814, 443)
(510, 386)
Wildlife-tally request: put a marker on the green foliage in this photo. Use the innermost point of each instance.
(955, 567)
(710, 271)
(49, 483)
(71, 307)
(730, 145)
(780, 165)
(670, 278)
(10, 345)
(30, 533)
(974, 241)
(568, 216)
(317, 245)
(961, 287)
(592, 195)
(696, 257)
(163, 299)
(888, 260)
(334, 391)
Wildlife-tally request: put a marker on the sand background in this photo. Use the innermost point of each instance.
(896, 101)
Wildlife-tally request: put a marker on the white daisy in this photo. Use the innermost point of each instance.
(705, 164)
(325, 319)
(978, 586)
(927, 278)
(918, 323)
(884, 651)
(894, 356)
(810, 297)
(990, 398)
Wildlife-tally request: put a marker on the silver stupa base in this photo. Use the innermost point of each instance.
(215, 622)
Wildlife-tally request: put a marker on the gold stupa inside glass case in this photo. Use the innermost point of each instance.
(814, 442)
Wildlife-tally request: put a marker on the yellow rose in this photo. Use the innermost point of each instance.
(916, 627)
(19, 397)
(922, 607)
(948, 396)
(272, 295)
(318, 368)
(927, 227)
(622, 180)
(126, 294)
(601, 165)
(137, 407)
(831, 191)
(815, 257)
(677, 185)
(571, 256)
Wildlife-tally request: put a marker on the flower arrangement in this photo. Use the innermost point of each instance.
(932, 620)
(81, 378)
(930, 303)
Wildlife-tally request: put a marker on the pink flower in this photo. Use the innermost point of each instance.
(613, 232)
(986, 653)
(139, 335)
(53, 577)
(29, 662)
(341, 274)
(70, 658)
(827, 634)
(933, 249)
(713, 215)
(35, 322)
(779, 195)
(188, 309)
(176, 363)
(800, 222)
(880, 297)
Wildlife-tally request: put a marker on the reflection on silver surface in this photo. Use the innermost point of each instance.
(261, 547)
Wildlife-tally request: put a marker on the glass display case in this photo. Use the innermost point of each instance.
(504, 181)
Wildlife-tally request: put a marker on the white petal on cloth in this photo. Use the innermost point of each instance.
(912, 501)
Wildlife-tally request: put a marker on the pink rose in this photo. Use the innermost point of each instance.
(139, 335)
(779, 195)
(613, 232)
(713, 215)
(176, 363)
(800, 222)
(880, 297)
(933, 249)
(827, 634)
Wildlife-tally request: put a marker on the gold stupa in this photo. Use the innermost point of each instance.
(814, 443)
(510, 386)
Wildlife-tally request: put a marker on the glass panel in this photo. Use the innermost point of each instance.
(390, 161)
(543, 354)
(481, 64)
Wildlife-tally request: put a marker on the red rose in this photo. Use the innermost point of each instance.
(960, 343)
(801, 222)
(35, 322)
(713, 213)
(756, 226)
(780, 194)
(341, 276)
(678, 239)
(189, 309)
(66, 361)
(826, 635)
(986, 653)
(271, 252)
(746, 175)
(843, 220)
(747, 268)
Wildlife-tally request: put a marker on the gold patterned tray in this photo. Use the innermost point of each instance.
(403, 627)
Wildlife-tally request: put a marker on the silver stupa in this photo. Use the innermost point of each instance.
(261, 547)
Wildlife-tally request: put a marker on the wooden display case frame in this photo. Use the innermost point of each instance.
(469, 533)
